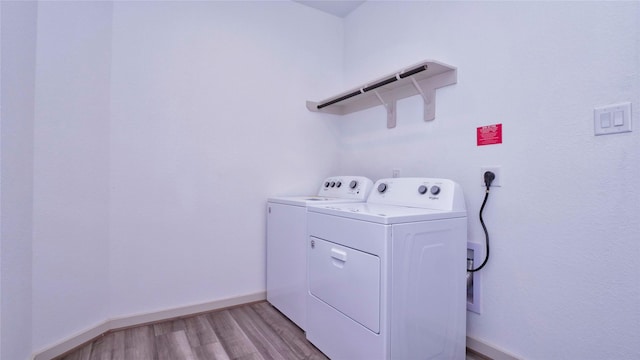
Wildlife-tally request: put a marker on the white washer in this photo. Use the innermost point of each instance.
(387, 277)
(286, 240)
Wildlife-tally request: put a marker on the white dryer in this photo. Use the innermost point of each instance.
(286, 240)
(387, 277)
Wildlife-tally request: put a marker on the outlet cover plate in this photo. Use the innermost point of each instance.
(497, 182)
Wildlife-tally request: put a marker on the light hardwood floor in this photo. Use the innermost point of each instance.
(254, 331)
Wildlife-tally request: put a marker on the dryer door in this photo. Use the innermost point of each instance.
(346, 279)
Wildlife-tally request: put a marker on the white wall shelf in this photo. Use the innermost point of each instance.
(419, 79)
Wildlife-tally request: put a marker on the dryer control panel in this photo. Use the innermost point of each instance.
(427, 193)
(346, 187)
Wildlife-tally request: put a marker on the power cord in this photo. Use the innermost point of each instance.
(488, 179)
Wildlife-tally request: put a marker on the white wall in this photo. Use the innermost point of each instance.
(562, 281)
(18, 29)
(160, 129)
(71, 169)
(208, 120)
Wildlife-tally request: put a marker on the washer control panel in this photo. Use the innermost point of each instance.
(347, 187)
(428, 193)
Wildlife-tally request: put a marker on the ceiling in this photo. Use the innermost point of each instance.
(339, 8)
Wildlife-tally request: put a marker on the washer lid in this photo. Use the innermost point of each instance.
(310, 200)
(335, 189)
(384, 214)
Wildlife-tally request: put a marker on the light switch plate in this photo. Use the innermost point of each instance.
(612, 119)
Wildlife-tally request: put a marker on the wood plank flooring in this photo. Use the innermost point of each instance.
(254, 331)
(250, 332)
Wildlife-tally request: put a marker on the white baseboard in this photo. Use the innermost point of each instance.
(141, 319)
(82, 337)
(489, 351)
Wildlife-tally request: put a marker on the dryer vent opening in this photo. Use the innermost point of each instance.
(474, 292)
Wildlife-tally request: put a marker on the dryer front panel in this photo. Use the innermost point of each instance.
(347, 280)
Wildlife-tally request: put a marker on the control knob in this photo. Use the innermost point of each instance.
(422, 189)
(338, 184)
(326, 184)
(435, 190)
(333, 184)
(353, 184)
(382, 188)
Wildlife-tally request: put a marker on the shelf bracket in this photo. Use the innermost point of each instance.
(391, 111)
(421, 79)
(428, 96)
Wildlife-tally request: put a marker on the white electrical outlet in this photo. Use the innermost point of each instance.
(395, 173)
(496, 171)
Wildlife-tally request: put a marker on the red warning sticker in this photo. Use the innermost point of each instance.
(489, 135)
